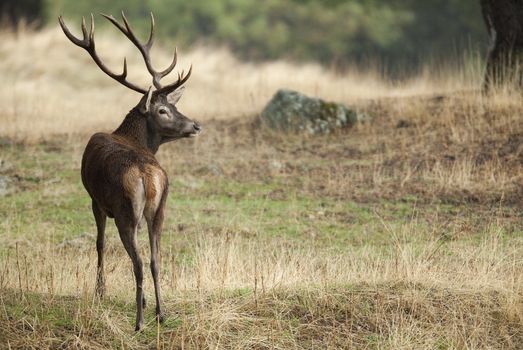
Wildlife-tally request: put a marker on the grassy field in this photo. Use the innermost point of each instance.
(405, 232)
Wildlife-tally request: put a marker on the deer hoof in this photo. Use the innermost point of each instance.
(160, 318)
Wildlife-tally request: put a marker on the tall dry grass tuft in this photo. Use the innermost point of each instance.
(221, 263)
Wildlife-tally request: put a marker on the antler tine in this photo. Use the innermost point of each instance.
(179, 82)
(124, 73)
(149, 44)
(171, 66)
(150, 41)
(69, 35)
(144, 48)
(130, 34)
(91, 32)
(127, 31)
(84, 29)
(87, 43)
(184, 79)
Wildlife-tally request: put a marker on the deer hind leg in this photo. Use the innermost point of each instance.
(100, 219)
(127, 221)
(128, 234)
(155, 226)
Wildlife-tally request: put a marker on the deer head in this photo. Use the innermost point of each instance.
(164, 118)
(158, 105)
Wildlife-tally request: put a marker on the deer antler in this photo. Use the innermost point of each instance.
(88, 44)
(144, 48)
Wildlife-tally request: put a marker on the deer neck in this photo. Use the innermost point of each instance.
(136, 129)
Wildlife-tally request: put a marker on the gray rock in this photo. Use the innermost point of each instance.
(292, 111)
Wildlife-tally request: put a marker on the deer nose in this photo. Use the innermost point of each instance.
(197, 127)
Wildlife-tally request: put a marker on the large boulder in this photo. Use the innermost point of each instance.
(292, 111)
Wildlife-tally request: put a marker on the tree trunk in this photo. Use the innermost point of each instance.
(504, 20)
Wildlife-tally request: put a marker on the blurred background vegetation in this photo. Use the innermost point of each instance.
(392, 34)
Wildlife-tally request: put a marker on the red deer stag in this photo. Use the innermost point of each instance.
(120, 171)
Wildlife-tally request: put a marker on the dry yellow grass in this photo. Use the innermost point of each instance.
(238, 293)
(51, 86)
(402, 233)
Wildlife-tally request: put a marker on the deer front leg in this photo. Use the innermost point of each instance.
(100, 219)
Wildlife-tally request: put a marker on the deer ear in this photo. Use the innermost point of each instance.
(175, 96)
(145, 102)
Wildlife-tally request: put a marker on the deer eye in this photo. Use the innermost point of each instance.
(162, 111)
